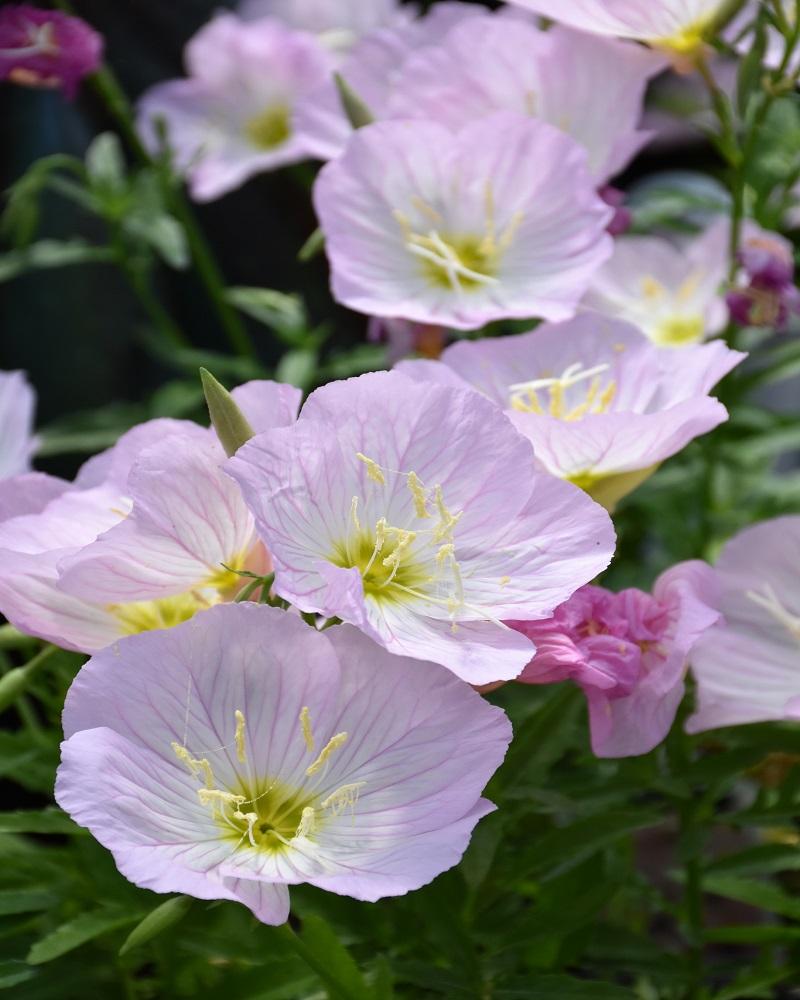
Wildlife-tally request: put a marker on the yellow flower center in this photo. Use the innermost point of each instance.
(685, 42)
(462, 262)
(145, 616)
(269, 129)
(677, 331)
(573, 395)
(265, 813)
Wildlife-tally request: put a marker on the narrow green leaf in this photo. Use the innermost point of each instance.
(322, 940)
(297, 368)
(12, 973)
(158, 920)
(312, 246)
(763, 859)
(747, 985)
(753, 935)
(563, 988)
(281, 312)
(74, 933)
(51, 253)
(105, 163)
(25, 900)
(764, 895)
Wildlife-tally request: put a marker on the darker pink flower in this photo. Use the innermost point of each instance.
(627, 652)
(45, 48)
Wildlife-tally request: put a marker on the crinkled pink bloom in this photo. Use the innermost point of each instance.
(676, 25)
(371, 70)
(235, 115)
(338, 24)
(671, 291)
(422, 519)
(360, 773)
(45, 48)
(765, 293)
(600, 403)
(17, 408)
(589, 87)
(151, 532)
(29, 493)
(457, 229)
(746, 668)
(628, 653)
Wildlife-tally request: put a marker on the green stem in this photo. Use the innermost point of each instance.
(17, 681)
(11, 638)
(108, 89)
(335, 986)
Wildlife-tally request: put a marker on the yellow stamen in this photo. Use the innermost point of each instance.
(197, 767)
(332, 746)
(447, 520)
(419, 494)
(216, 797)
(354, 513)
(239, 736)
(343, 798)
(305, 725)
(374, 471)
(308, 822)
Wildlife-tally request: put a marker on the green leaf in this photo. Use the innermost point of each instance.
(105, 163)
(74, 933)
(752, 935)
(333, 963)
(749, 983)
(157, 921)
(563, 988)
(748, 80)
(297, 368)
(764, 895)
(314, 245)
(166, 235)
(50, 820)
(12, 973)
(286, 314)
(51, 253)
(760, 860)
(25, 900)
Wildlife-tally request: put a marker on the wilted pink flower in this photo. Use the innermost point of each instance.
(235, 115)
(765, 293)
(45, 48)
(746, 667)
(150, 533)
(17, 406)
(676, 25)
(623, 217)
(591, 88)
(423, 520)
(600, 403)
(671, 291)
(628, 653)
(360, 773)
(458, 229)
(403, 338)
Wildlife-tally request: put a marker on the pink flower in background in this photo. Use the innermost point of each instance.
(17, 407)
(601, 405)
(360, 774)
(746, 668)
(628, 653)
(338, 24)
(423, 520)
(671, 291)
(45, 48)
(623, 217)
(371, 70)
(150, 533)
(591, 88)
(765, 293)
(403, 338)
(457, 230)
(676, 25)
(235, 115)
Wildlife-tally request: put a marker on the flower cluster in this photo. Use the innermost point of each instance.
(292, 615)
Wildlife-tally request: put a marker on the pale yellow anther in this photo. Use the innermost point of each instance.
(331, 747)
(425, 209)
(343, 798)
(251, 819)
(241, 756)
(216, 797)
(307, 824)
(354, 513)
(404, 540)
(374, 471)
(504, 581)
(197, 767)
(606, 397)
(305, 725)
(445, 553)
(447, 520)
(652, 288)
(419, 495)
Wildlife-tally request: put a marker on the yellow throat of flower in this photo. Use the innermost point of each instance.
(559, 398)
(461, 262)
(270, 128)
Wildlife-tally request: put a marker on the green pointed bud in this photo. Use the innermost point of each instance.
(358, 114)
(160, 919)
(227, 419)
